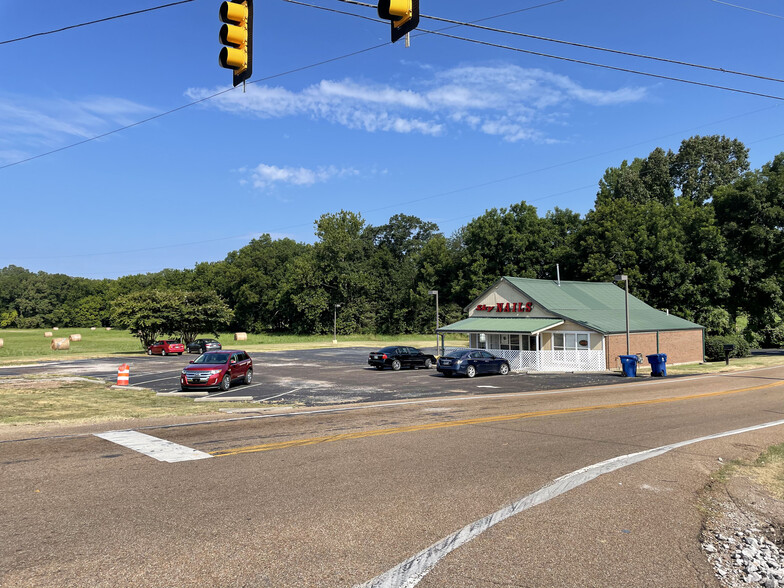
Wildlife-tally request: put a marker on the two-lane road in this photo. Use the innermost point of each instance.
(342, 496)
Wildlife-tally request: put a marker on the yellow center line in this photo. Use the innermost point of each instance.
(475, 421)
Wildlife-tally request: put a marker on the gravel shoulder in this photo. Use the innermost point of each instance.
(743, 532)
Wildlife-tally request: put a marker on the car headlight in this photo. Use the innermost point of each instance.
(184, 372)
(458, 361)
(213, 372)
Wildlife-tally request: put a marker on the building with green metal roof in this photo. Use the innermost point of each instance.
(549, 325)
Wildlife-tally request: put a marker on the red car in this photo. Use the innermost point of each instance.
(169, 347)
(217, 369)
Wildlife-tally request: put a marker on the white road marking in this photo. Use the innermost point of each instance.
(277, 396)
(154, 447)
(409, 573)
(496, 387)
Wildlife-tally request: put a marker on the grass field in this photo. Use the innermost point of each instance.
(25, 345)
(31, 400)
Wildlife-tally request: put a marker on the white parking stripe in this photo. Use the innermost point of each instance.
(278, 395)
(154, 447)
(409, 573)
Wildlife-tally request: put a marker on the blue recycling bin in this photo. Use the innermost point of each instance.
(658, 363)
(629, 365)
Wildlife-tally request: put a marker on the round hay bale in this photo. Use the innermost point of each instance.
(76, 337)
(1, 342)
(240, 336)
(92, 328)
(56, 328)
(61, 344)
(48, 334)
(108, 328)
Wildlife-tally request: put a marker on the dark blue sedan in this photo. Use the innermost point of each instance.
(470, 362)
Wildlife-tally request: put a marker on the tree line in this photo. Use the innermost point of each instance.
(697, 232)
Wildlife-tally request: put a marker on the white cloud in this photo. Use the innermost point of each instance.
(508, 101)
(31, 124)
(264, 176)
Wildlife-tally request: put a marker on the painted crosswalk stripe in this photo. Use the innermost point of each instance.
(154, 447)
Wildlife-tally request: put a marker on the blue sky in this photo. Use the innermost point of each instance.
(443, 130)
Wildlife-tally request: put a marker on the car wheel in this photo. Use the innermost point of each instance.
(470, 371)
(163, 352)
(504, 369)
(183, 388)
(428, 363)
(149, 352)
(248, 376)
(396, 364)
(180, 353)
(225, 383)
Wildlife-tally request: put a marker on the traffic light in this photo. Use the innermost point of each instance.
(237, 34)
(404, 15)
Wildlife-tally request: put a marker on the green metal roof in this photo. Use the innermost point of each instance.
(600, 306)
(476, 324)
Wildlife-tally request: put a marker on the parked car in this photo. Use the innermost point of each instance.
(166, 347)
(470, 362)
(398, 357)
(217, 369)
(203, 346)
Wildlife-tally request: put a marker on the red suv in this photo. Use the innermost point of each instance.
(217, 369)
(169, 347)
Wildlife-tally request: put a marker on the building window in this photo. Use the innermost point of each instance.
(571, 341)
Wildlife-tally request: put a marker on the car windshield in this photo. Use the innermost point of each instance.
(389, 350)
(459, 353)
(213, 358)
(172, 341)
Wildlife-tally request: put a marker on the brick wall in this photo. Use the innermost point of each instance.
(680, 346)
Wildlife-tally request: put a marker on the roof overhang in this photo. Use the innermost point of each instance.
(474, 324)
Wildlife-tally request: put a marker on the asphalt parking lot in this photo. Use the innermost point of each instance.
(316, 377)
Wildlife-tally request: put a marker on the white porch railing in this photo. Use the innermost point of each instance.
(550, 361)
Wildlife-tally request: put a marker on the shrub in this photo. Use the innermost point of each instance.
(714, 347)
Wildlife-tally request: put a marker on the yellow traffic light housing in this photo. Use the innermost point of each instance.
(237, 35)
(404, 15)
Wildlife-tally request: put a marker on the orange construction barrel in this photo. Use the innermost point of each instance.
(123, 375)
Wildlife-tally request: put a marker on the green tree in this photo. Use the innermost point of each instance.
(703, 164)
(148, 314)
(750, 215)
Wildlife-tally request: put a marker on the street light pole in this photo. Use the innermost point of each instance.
(435, 292)
(335, 325)
(625, 279)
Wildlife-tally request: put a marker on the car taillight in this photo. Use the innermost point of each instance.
(384, 356)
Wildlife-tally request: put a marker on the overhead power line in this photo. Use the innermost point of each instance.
(581, 45)
(559, 57)
(749, 9)
(92, 22)
(295, 70)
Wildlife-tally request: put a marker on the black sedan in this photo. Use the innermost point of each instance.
(203, 346)
(398, 357)
(470, 362)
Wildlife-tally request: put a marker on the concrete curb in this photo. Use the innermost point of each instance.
(225, 399)
(183, 394)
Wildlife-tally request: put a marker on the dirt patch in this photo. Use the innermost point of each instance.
(743, 532)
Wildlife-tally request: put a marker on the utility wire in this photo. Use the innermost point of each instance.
(610, 67)
(84, 24)
(749, 9)
(581, 45)
(184, 106)
(561, 58)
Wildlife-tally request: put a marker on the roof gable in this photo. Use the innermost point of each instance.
(600, 306)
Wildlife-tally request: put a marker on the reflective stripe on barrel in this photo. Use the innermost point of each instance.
(123, 375)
